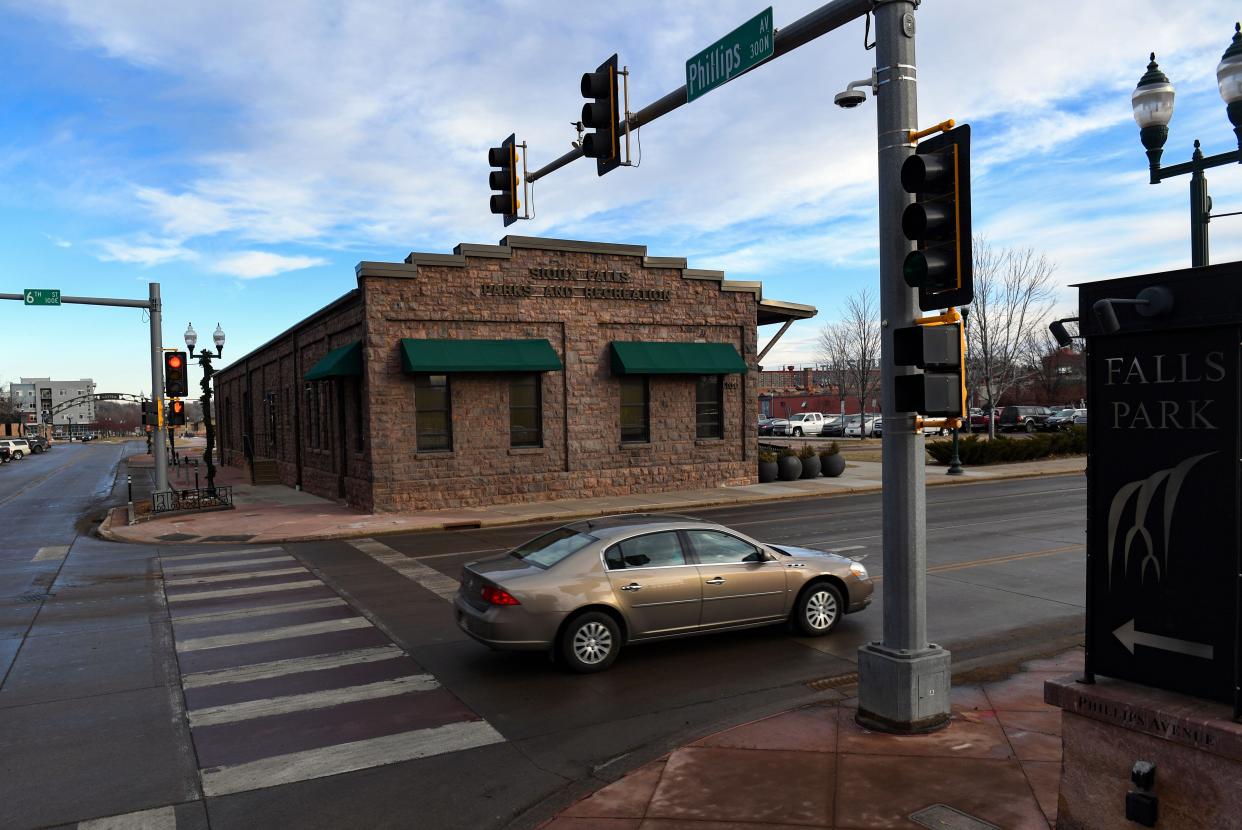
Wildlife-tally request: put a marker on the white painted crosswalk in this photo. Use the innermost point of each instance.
(294, 665)
(267, 634)
(431, 579)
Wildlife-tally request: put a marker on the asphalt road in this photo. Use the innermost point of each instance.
(1005, 572)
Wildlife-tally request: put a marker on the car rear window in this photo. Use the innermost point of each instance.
(546, 550)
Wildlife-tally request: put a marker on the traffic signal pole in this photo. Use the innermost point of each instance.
(903, 681)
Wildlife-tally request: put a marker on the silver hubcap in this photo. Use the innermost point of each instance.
(821, 610)
(592, 643)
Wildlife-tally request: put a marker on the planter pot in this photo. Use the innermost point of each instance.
(789, 467)
(833, 465)
(767, 471)
(810, 467)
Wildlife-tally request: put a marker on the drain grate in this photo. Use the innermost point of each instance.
(944, 817)
(833, 682)
(236, 537)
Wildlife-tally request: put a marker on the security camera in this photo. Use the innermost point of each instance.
(850, 98)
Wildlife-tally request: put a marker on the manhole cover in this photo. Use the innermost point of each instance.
(833, 682)
(944, 817)
(176, 537)
(239, 537)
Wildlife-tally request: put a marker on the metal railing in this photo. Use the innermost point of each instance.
(206, 498)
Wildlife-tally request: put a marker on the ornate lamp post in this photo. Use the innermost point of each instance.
(1152, 102)
(204, 360)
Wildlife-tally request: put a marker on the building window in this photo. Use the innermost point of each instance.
(433, 413)
(312, 415)
(709, 407)
(635, 416)
(525, 411)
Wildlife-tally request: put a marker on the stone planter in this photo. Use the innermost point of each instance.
(789, 467)
(767, 471)
(833, 464)
(810, 467)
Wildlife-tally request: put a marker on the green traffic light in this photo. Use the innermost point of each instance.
(929, 269)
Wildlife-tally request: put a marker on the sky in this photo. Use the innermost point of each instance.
(247, 156)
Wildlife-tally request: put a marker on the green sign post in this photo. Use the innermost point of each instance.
(743, 48)
(41, 296)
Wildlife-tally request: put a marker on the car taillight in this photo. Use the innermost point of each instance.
(498, 596)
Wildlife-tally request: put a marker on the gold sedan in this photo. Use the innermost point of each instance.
(587, 588)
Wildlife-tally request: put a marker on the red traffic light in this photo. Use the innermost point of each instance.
(174, 361)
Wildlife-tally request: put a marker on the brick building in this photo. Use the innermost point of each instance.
(533, 369)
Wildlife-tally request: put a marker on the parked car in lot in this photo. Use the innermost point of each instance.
(834, 426)
(767, 425)
(1080, 417)
(1023, 418)
(6, 455)
(38, 443)
(1063, 419)
(859, 427)
(16, 446)
(801, 424)
(588, 588)
(979, 418)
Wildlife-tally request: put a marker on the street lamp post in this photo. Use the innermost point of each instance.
(955, 463)
(204, 360)
(1152, 103)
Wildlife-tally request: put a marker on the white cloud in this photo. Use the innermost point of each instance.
(57, 241)
(143, 250)
(250, 265)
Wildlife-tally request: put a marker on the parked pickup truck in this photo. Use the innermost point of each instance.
(800, 424)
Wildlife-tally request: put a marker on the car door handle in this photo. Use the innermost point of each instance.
(719, 580)
(633, 586)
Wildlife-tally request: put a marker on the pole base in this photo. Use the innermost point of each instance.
(954, 470)
(902, 692)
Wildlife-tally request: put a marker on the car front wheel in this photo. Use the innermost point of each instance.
(1030, 426)
(818, 609)
(18, 454)
(590, 643)
(798, 432)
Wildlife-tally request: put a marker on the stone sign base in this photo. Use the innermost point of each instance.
(1109, 725)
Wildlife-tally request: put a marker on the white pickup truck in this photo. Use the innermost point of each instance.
(800, 424)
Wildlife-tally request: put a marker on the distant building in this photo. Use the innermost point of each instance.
(35, 398)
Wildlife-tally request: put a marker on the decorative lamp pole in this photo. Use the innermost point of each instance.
(1152, 102)
(955, 463)
(204, 360)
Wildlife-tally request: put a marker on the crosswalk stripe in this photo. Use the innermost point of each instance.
(339, 758)
(52, 552)
(265, 611)
(429, 578)
(192, 557)
(161, 818)
(207, 580)
(241, 592)
(294, 665)
(250, 709)
(266, 635)
(215, 566)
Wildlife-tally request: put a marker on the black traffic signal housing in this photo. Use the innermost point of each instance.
(504, 178)
(938, 392)
(600, 116)
(150, 415)
(938, 175)
(176, 412)
(176, 375)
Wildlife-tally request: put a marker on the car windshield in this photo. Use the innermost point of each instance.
(1065, 413)
(546, 550)
(797, 417)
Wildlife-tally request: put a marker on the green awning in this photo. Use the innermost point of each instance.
(645, 358)
(446, 356)
(345, 361)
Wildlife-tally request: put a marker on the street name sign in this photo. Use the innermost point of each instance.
(42, 296)
(742, 49)
(1164, 534)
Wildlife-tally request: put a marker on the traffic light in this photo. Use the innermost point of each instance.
(939, 220)
(150, 416)
(600, 115)
(938, 350)
(504, 179)
(176, 378)
(176, 412)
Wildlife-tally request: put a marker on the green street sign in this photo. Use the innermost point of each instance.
(42, 296)
(744, 47)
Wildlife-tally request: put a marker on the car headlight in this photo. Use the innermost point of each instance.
(858, 570)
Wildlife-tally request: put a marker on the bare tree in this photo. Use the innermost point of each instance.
(833, 349)
(862, 329)
(1013, 297)
(1053, 370)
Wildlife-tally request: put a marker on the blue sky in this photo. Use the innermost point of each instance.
(247, 155)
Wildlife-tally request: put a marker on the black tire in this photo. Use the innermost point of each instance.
(590, 643)
(818, 610)
(1030, 426)
(797, 432)
(18, 454)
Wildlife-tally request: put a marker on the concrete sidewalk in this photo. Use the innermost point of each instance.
(998, 762)
(275, 513)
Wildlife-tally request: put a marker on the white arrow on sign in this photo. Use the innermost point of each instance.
(1130, 638)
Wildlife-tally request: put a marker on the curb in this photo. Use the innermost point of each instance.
(105, 530)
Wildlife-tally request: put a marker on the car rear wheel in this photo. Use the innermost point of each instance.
(1030, 426)
(818, 609)
(18, 454)
(590, 642)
